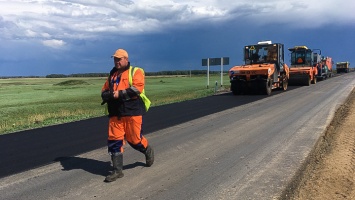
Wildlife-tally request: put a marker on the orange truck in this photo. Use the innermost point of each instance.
(342, 67)
(264, 69)
(304, 62)
(325, 68)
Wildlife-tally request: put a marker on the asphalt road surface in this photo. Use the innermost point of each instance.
(219, 147)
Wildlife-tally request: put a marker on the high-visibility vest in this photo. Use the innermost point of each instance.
(144, 98)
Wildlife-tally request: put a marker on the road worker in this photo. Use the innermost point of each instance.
(125, 111)
(272, 54)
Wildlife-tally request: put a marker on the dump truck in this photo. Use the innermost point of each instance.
(342, 67)
(263, 69)
(303, 69)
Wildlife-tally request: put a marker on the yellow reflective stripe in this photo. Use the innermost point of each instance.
(131, 73)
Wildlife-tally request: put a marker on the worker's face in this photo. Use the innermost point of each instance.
(120, 62)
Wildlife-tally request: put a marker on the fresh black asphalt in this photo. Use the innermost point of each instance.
(24, 150)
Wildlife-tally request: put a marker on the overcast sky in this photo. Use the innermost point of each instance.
(79, 36)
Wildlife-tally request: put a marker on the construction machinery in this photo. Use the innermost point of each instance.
(342, 67)
(304, 62)
(325, 68)
(264, 69)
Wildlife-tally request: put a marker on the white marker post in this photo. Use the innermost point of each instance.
(221, 71)
(208, 72)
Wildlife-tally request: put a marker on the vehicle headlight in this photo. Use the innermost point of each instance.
(268, 71)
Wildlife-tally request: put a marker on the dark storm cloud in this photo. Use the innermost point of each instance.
(79, 36)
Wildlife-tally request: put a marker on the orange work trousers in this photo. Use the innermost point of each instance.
(127, 128)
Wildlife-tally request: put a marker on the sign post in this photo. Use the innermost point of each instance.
(208, 72)
(215, 61)
(221, 72)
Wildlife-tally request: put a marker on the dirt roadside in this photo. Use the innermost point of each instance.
(330, 169)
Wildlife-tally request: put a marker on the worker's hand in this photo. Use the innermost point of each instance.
(106, 95)
(116, 94)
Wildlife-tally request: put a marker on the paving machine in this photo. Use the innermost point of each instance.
(264, 69)
(325, 68)
(304, 62)
(342, 67)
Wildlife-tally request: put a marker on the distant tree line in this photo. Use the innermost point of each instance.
(160, 73)
(78, 75)
(180, 72)
(7, 77)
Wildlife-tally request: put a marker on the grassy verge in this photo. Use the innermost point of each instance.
(27, 103)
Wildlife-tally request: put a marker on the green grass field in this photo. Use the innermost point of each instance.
(27, 103)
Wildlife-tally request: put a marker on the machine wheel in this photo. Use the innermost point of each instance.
(268, 86)
(235, 89)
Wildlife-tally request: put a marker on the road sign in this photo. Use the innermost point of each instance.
(216, 61)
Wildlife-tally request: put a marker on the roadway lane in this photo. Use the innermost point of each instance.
(33, 148)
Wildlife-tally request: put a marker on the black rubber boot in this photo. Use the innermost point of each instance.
(149, 156)
(117, 162)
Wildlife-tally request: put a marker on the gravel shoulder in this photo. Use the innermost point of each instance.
(329, 172)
